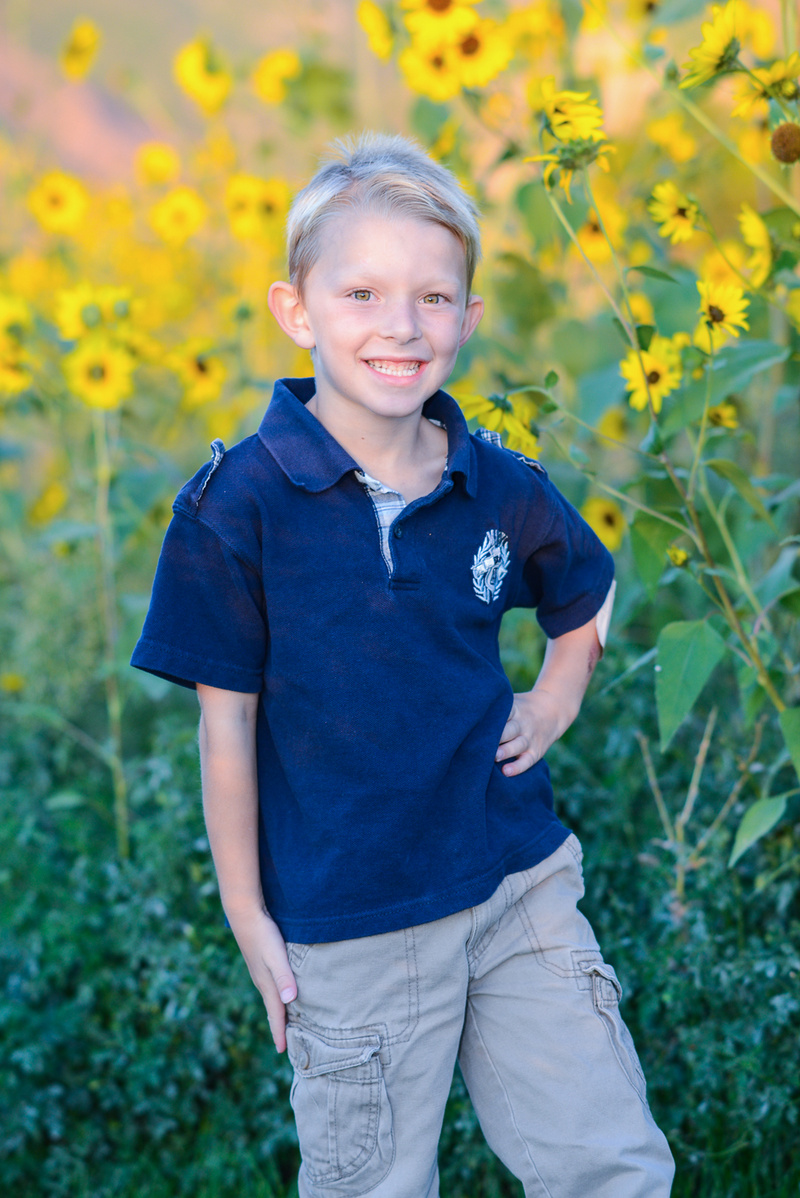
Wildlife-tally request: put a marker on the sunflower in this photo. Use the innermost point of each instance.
(81, 309)
(432, 72)
(15, 321)
(535, 27)
(655, 372)
(761, 84)
(99, 372)
(80, 49)
(564, 160)
(271, 74)
(593, 240)
(669, 133)
(14, 373)
(641, 308)
(179, 215)
(59, 202)
(437, 21)
(719, 265)
(613, 423)
(723, 307)
(673, 211)
(755, 234)
(256, 207)
(50, 502)
(481, 54)
(203, 75)
(201, 371)
(724, 415)
(156, 162)
(606, 519)
(570, 116)
(679, 557)
(376, 25)
(719, 49)
(502, 415)
(793, 306)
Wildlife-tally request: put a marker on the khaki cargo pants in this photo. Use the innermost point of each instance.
(516, 989)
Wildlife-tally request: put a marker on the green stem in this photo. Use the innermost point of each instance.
(743, 67)
(587, 186)
(698, 449)
(554, 204)
(717, 515)
(652, 778)
(108, 614)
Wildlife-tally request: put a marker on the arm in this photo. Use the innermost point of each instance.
(230, 806)
(539, 717)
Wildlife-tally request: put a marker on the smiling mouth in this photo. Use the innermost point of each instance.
(399, 368)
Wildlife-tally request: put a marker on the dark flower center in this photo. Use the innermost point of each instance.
(653, 376)
(716, 314)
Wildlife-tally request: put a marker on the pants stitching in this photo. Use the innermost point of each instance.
(505, 1093)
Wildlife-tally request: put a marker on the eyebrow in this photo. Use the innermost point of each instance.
(365, 279)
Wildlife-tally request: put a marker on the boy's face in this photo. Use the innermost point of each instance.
(384, 310)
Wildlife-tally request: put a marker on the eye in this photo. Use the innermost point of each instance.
(433, 298)
(361, 293)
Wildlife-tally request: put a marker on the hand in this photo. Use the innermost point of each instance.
(264, 951)
(535, 722)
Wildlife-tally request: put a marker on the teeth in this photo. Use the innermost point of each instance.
(392, 368)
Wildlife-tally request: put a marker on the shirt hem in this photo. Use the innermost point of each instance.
(424, 910)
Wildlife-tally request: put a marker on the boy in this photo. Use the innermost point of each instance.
(377, 803)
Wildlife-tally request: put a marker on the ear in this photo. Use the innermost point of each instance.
(287, 307)
(472, 318)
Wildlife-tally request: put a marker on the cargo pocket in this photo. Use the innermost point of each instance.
(344, 1122)
(606, 993)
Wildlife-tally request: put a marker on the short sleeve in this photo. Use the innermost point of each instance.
(569, 575)
(206, 622)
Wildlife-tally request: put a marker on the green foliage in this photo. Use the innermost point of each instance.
(688, 651)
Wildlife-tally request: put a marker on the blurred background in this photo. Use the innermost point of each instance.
(635, 163)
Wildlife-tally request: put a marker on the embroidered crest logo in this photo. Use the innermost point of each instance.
(490, 565)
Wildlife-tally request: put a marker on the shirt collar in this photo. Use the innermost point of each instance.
(311, 458)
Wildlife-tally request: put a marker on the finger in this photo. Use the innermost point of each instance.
(520, 764)
(511, 730)
(512, 748)
(276, 1016)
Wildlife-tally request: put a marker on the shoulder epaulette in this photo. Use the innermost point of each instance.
(218, 450)
(494, 438)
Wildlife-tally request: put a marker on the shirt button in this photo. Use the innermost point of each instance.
(398, 532)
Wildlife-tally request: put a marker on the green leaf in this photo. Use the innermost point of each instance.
(652, 443)
(688, 651)
(756, 822)
(644, 335)
(550, 379)
(741, 481)
(649, 540)
(620, 327)
(652, 273)
(734, 368)
(64, 800)
(789, 720)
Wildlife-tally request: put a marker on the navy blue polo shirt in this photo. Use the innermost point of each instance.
(382, 696)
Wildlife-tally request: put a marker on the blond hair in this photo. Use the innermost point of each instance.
(385, 175)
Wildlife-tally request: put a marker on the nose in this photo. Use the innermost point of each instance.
(400, 322)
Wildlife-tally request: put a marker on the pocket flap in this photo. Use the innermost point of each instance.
(313, 1055)
(605, 983)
